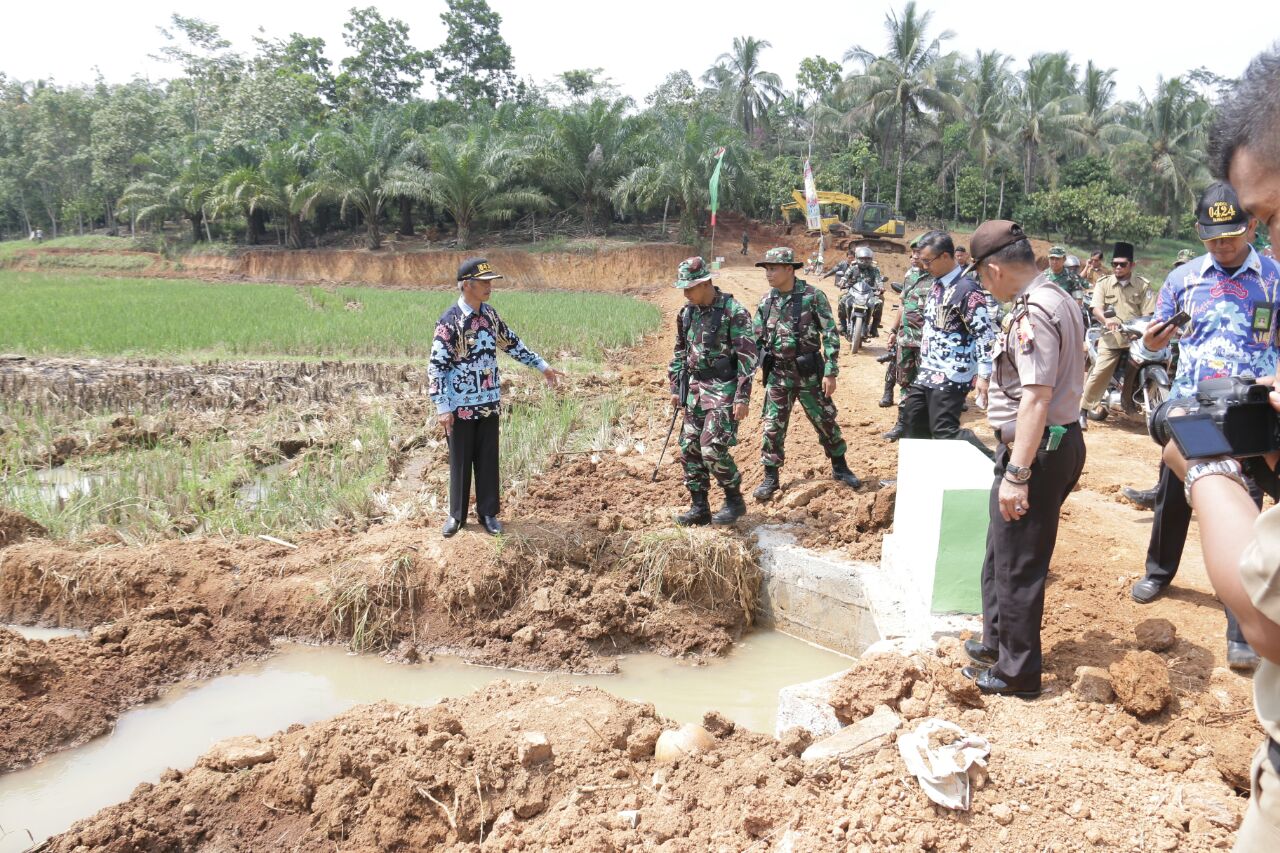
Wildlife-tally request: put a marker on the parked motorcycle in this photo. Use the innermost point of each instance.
(1140, 383)
(861, 301)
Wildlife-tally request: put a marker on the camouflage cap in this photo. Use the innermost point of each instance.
(692, 271)
(1185, 255)
(780, 255)
(1057, 252)
(915, 244)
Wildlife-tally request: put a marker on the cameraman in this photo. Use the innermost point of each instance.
(1230, 293)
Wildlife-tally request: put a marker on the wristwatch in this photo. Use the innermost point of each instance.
(1017, 473)
(1224, 467)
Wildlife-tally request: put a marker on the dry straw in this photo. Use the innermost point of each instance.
(704, 568)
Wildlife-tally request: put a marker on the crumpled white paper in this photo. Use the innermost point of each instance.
(944, 772)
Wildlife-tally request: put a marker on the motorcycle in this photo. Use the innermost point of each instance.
(1139, 383)
(861, 302)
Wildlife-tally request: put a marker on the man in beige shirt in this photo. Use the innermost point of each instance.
(1117, 299)
(1036, 381)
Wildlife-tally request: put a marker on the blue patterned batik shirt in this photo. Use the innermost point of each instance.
(959, 333)
(1232, 330)
(463, 369)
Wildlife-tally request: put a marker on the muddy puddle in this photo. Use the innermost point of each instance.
(303, 684)
(54, 485)
(32, 633)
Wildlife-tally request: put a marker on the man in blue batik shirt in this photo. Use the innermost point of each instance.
(1231, 295)
(955, 347)
(464, 385)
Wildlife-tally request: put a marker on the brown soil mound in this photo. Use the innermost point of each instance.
(551, 767)
(16, 527)
(63, 692)
(1141, 682)
(883, 679)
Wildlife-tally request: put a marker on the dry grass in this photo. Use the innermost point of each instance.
(702, 567)
(371, 608)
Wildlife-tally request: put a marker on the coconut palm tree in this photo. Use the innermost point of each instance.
(475, 176)
(986, 91)
(1040, 109)
(1173, 121)
(1096, 122)
(902, 83)
(738, 78)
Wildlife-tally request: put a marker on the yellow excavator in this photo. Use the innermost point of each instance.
(873, 223)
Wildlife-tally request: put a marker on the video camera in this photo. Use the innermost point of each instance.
(1230, 416)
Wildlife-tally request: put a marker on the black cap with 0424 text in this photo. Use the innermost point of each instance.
(1219, 213)
(476, 269)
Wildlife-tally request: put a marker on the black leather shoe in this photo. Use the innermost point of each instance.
(1143, 498)
(1241, 657)
(1146, 590)
(491, 525)
(990, 683)
(972, 672)
(451, 527)
(1083, 420)
(1099, 413)
(887, 400)
(841, 474)
(979, 653)
(894, 434)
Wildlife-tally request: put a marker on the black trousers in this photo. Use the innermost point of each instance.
(1169, 536)
(473, 447)
(935, 413)
(1017, 561)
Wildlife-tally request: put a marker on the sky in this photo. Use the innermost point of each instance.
(638, 44)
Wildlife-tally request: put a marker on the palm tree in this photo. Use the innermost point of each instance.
(902, 83)
(365, 166)
(474, 176)
(985, 100)
(278, 186)
(1040, 107)
(737, 76)
(679, 162)
(581, 152)
(1173, 124)
(178, 182)
(1097, 120)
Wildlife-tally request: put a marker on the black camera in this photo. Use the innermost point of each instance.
(1231, 416)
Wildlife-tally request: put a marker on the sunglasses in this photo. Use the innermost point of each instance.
(1120, 263)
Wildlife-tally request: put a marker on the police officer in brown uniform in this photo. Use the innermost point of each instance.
(1036, 381)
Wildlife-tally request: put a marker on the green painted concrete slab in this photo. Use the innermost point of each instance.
(962, 544)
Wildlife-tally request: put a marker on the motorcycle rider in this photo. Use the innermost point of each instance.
(1126, 296)
(1230, 293)
(860, 268)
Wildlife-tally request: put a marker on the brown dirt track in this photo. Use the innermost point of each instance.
(1066, 773)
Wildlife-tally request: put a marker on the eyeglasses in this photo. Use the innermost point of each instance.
(1120, 263)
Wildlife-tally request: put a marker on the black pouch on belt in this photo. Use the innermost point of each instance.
(809, 363)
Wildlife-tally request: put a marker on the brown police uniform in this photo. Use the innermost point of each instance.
(1040, 345)
(1260, 577)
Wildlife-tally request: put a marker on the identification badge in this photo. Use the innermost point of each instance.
(1262, 313)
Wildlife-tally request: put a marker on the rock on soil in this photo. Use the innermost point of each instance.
(60, 693)
(16, 527)
(1093, 684)
(881, 679)
(1141, 683)
(1155, 635)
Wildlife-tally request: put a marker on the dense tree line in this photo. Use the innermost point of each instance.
(282, 146)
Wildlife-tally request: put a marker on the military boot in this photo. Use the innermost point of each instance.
(769, 487)
(887, 400)
(734, 508)
(840, 473)
(699, 511)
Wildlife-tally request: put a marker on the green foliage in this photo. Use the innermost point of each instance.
(474, 65)
(67, 314)
(1091, 213)
(817, 76)
(384, 68)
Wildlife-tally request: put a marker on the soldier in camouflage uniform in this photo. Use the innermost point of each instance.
(862, 270)
(1068, 280)
(715, 352)
(799, 347)
(904, 340)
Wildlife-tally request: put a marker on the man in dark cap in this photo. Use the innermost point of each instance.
(1117, 299)
(799, 350)
(715, 353)
(1230, 293)
(1036, 381)
(464, 385)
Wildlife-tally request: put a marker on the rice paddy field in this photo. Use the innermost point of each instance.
(61, 314)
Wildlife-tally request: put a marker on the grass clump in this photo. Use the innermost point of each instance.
(370, 606)
(66, 314)
(704, 568)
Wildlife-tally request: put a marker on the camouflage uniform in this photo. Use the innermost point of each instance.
(915, 291)
(853, 274)
(775, 332)
(705, 334)
(1068, 279)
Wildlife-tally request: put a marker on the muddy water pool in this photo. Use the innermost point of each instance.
(303, 684)
(32, 633)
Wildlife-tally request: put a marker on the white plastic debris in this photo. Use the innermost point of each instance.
(944, 771)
